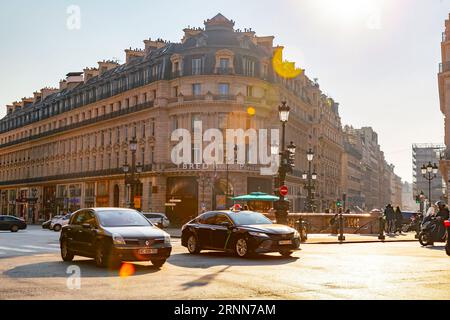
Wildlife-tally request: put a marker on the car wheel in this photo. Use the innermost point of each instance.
(424, 239)
(193, 245)
(66, 254)
(14, 228)
(241, 248)
(101, 256)
(286, 253)
(57, 227)
(447, 248)
(158, 263)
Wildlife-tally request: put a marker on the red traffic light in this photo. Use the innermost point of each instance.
(284, 191)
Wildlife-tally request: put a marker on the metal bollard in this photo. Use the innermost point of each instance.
(341, 228)
(381, 229)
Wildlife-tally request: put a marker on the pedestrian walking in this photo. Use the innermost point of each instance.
(389, 215)
(398, 217)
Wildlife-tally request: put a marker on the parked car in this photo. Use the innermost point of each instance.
(57, 223)
(11, 223)
(111, 235)
(243, 233)
(158, 219)
(46, 224)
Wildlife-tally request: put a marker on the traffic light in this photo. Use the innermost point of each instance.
(417, 199)
(338, 203)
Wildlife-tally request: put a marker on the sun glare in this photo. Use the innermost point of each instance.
(350, 11)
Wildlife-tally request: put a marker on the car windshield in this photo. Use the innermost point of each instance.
(122, 218)
(249, 218)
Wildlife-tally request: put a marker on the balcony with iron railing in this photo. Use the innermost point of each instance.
(108, 116)
(224, 71)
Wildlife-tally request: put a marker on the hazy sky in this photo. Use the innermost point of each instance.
(379, 59)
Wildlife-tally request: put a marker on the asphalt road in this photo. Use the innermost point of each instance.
(31, 268)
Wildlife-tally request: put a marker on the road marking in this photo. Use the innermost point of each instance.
(16, 249)
(41, 248)
(54, 244)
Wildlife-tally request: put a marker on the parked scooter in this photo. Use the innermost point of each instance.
(432, 230)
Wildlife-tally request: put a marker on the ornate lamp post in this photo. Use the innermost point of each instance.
(287, 163)
(310, 176)
(429, 172)
(131, 178)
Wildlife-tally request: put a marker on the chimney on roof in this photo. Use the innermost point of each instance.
(73, 79)
(266, 42)
(106, 65)
(151, 45)
(90, 73)
(133, 53)
(9, 109)
(37, 96)
(26, 102)
(45, 92)
(62, 85)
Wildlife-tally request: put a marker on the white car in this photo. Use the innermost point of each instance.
(159, 219)
(60, 222)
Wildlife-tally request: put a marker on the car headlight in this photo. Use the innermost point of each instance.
(258, 234)
(296, 234)
(167, 239)
(118, 239)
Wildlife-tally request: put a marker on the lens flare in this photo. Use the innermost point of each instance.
(284, 69)
(127, 270)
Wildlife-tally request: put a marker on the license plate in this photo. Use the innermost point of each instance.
(285, 242)
(148, 251)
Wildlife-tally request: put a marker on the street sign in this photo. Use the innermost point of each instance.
(284, 191)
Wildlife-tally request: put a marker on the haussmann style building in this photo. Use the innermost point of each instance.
(65, 148)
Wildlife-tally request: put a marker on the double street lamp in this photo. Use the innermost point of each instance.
(287, 163)
(131, 173)
(429, 172)
(310, 176)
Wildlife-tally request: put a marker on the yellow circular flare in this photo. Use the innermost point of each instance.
(126, 270)
(284, 69)
(251, 111)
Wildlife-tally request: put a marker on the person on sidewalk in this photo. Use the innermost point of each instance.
(398, 218)
(389, 215)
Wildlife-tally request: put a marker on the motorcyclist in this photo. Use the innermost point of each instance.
(442, 210)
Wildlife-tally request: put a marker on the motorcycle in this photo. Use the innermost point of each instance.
(432, 230)
(447, 245)
(414, 223)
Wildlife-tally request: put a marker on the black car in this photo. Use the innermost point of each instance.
(243, 233)
(12, 223)
(111, 235)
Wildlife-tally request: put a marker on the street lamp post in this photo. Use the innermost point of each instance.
(429, 172)
(287, 163)
(310, 176)
(131, 179)
(228, 175)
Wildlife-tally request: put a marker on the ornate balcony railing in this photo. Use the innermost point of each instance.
(72, 126)
(72, 176)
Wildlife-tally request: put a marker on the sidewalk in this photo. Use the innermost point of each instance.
(332, 239)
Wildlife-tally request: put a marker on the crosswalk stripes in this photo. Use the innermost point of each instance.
(17, 249)
(42, 248)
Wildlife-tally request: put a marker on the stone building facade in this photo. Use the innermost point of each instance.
(444, 96)
(64, 148)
